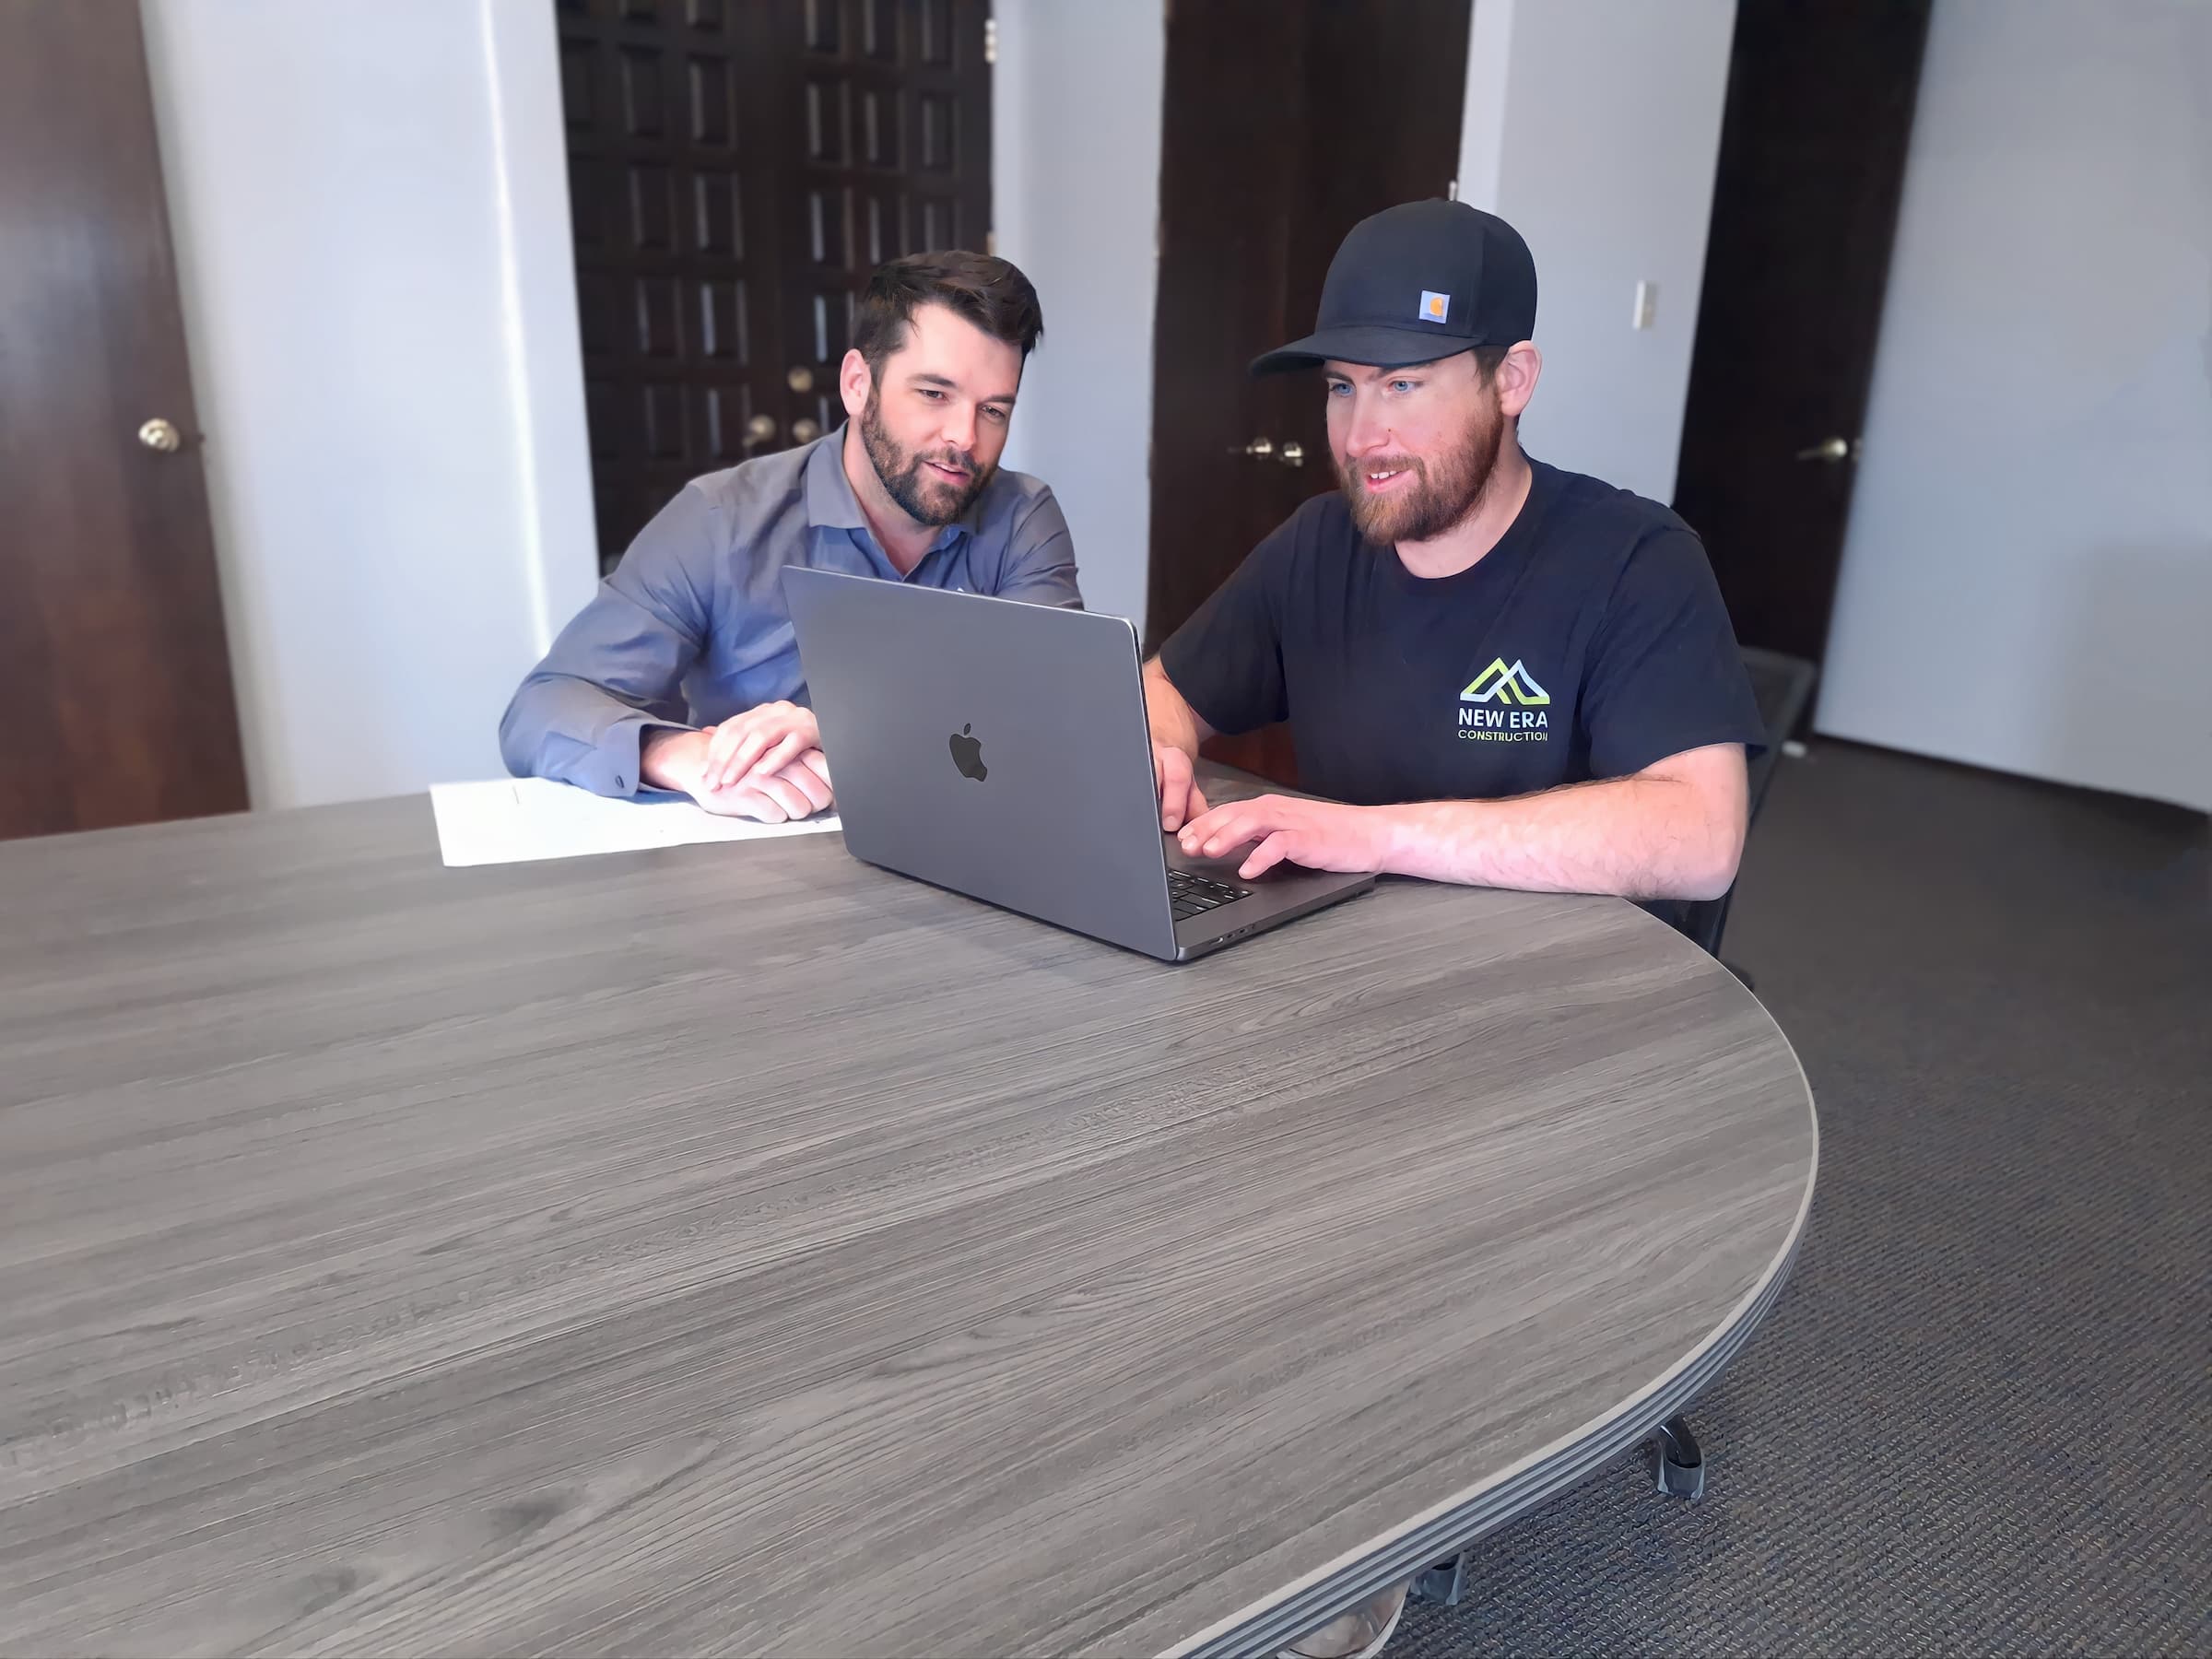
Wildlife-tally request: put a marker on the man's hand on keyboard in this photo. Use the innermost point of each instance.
(1320, 835)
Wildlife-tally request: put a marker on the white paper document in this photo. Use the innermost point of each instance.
(513, 820)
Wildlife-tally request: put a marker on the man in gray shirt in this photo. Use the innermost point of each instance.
(683, 673)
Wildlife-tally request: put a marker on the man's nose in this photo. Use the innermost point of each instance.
(957, 429)
(1366, 432)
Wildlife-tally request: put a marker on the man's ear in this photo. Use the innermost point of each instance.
(855, 380)
(1517, 377)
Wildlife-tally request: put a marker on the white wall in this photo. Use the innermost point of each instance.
(2027, 579)
(1076, 120)
(1592, 126)
(369, 209)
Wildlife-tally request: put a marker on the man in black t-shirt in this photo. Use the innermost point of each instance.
(1507, 674)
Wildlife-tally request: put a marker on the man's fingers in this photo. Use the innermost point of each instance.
(778, 755)
(746, 802)
(1192, 835)
(1175, 788)
(815, 761)
(738, 760)
(721, 741)
(774, 735)
(801, 797)
(741, 802)
(1222, 830)
(1229, 838)
(808, 783)
(1266, 855)
(785, 793)
(739, 740)
(1197, 806)
(1226, 829)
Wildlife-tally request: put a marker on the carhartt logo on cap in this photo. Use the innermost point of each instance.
(1434, 307)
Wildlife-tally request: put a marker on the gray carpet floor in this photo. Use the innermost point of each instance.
(1980, 1418)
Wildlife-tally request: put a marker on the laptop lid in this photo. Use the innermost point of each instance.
(994, 748)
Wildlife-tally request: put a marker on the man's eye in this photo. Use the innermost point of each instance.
(990, 413)
(1402, 385)
(1340, 388)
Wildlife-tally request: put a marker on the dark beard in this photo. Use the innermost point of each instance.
(1439, 499)
(924, 499)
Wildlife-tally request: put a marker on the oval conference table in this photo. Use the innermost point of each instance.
(738, 1248)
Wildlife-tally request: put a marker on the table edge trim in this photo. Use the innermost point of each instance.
(1265, 1627)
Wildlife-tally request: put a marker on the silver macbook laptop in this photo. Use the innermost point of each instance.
(1000, 749)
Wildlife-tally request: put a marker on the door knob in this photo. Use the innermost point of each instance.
(805, 431)
(1830, 449)
(1292, 454)
(158, 434)
(1259, 448)
(760, 428)
(801, 379)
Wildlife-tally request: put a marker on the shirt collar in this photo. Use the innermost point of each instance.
(831, 505)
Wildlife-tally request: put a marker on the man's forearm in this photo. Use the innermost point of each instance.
(1173, 722)
(659, 748)
(1641, 837)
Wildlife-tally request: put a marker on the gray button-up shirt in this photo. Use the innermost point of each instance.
(691, 628)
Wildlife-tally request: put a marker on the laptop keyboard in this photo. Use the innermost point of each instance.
(1195, 894)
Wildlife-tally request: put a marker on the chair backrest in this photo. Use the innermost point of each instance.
(1783, 688)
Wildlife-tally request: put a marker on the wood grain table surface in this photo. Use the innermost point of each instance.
(737, 1249)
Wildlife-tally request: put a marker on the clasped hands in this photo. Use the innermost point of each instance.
(765, 763)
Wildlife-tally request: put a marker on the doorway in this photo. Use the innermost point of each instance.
(1812, 162)
(114, 669)
(1259, 181)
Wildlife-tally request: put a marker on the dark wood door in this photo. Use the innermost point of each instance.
(1812, 143)
(1256, 190)
(737, 168)
(889, 104)
(114, 672)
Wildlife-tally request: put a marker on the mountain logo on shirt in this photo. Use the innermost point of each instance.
(1499, 684)
(1505, 705)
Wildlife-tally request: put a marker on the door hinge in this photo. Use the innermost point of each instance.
(990, 40)
(991, 242)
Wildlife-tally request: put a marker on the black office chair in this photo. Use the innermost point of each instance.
(1783, 685)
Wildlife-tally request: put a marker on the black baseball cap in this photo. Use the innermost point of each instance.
(1417, 282)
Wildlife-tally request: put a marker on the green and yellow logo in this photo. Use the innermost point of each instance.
(1499, 684)
(1505, 705)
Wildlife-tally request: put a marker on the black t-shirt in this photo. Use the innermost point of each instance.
(1589, 643)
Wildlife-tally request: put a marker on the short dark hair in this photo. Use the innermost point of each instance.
(981, 288)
